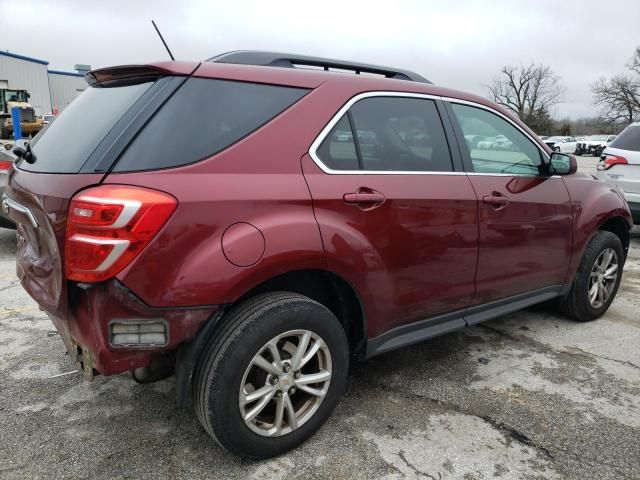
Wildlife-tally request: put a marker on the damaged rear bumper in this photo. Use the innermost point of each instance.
(87, 328)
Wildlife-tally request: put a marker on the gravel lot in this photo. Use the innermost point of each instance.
(530, 395)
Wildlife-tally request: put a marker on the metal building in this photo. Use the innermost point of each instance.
(64, 87)
(20, 72)
(49, 89)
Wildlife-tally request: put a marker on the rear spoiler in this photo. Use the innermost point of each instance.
(140, 72)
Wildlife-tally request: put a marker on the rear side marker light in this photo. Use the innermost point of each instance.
(5, 166)
(108, 226)
(608, 161)
(131, 333)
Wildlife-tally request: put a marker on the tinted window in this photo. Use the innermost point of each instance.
(202, 118)
(629, 139)
(67, 143)
(503, 149)
(338, 150)
(400, 134)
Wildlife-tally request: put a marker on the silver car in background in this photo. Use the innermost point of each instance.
(620, 165)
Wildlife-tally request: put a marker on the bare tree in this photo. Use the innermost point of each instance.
(530, 91)
(619, 96)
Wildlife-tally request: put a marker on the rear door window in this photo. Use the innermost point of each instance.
(69, 141)
(202, 118)
(400, 134)
(629, 139)
(393, 134)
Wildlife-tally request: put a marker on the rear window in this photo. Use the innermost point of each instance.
(69, 141)
(202, 118)
(629, 139)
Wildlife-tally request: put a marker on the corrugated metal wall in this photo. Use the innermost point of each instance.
(64, 88)
(30, 76)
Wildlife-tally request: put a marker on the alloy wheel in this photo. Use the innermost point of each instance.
(602, 279)
(285, 383)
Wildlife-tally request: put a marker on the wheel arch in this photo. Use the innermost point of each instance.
(619, 226)
(328, 289)
(323, 286)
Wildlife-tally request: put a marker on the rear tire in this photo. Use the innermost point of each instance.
(578, 303)
(251, 329)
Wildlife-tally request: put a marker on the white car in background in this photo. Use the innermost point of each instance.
(562, 144)
(620, 166)
(499, 142)
(594, 144)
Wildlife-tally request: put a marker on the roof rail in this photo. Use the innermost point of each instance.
(288, 60)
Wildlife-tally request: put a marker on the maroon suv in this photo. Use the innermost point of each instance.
(250, 224)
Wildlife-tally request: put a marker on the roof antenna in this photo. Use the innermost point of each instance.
(162, 38)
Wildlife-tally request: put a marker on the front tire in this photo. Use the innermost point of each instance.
(272, 376)
(597, 280)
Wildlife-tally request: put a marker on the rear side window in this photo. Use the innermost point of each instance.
(69, 141)
(392, 134)
(202, 118)
(629, 139)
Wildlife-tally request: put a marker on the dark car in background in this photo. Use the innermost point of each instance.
(218, 221)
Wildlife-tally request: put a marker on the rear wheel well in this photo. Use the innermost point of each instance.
(619, 227)
(329, 290)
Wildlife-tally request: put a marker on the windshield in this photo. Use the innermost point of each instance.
(15, 96)
(67, 143)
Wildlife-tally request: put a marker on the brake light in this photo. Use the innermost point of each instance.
(608, 161)
(5, 166)
(108, 226)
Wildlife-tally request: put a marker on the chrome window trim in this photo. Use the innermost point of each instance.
(336, 118)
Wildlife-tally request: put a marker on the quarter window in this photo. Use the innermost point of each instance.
(338, 150)
(495, 145)
(392, 134)
(210, 115)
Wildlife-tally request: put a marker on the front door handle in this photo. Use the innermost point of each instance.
(365, 199)
(496, 200)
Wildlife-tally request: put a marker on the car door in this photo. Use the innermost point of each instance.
(525, 216)
(569, 145)
(397, 220)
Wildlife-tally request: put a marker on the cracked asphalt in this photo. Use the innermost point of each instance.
(529, 395)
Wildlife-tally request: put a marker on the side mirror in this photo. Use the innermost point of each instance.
(562, 164)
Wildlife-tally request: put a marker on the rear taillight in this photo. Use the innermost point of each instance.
(108, 226)
(5, 166)
(608, 161)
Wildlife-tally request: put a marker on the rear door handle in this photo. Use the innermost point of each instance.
(364, 199)
(496, 201)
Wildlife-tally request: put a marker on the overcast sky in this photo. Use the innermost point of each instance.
(459, 44)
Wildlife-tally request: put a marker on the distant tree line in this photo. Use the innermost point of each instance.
(619, 96)
(531, 91)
